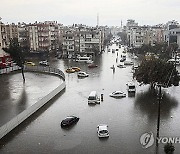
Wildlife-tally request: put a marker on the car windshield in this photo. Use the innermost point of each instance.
(103, 131)
(131, 87)
(68, 119)
(91, 98)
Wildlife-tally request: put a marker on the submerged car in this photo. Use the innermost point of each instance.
(92, 65)
(68, 121)
(117, 94)
(70, 70)
(102, 131)
(121, 66)
(29, 63)
(82, 74)
(44, 62)
(77, 69)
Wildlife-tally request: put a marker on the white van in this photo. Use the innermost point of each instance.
(131, 87)
(93, 98)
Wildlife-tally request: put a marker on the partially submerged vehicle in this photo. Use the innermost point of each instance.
(102, 131)
(93, 98)
(131, 87)
(117, 94)
(69, 120)
(44, 63)
(82, 74)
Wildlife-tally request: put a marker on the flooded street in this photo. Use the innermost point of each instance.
(127, 118)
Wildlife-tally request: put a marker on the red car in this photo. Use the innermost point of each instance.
(92, 65)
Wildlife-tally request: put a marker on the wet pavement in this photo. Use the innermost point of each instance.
(128, 118)
(16, 97)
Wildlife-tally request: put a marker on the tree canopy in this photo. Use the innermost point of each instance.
(153, 71)
(16, 53)
(162, 49)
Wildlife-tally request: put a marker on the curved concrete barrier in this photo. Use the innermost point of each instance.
(6, 128)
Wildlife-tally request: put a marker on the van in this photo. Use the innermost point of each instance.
(131, 87)
(93, 98)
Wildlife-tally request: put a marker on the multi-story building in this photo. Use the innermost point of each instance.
(68, 43)
(3, 35)
(82, 41)
(172, 33)
(23, 36)
(139, 35)
(33, 37)
(90, 41)
(40, 37)
(5, 59)
(12, 32)
(44, 40)
(54, 35)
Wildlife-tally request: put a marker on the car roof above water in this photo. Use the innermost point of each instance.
(102, 127)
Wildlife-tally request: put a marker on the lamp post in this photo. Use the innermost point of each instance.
(159, 109)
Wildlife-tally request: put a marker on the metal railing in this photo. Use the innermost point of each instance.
(9, 69)
(41, 69)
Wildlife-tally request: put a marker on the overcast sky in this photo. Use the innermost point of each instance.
(111, 12)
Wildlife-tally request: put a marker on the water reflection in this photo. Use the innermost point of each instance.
(22, 101)
(4, 91)
(147, 103)
(131, 94)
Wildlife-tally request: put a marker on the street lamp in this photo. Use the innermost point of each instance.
(159, 109)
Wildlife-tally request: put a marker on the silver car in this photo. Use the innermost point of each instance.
(102, 131)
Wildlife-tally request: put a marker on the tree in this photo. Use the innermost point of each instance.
(123, 37)
(16, 53)
(107, 39)
(162, 49)
(156, 71)
(169, 148)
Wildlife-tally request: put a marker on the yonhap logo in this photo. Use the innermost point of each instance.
(147, 140)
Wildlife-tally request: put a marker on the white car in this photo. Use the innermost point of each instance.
(82, 74)
(45, 63)
(102, 130)
(117, 94)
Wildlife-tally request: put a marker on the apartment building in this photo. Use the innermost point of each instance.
(44, 41)
(82, 41)
(139, 35)
(3, 35)
(23, 36)
(172, 32)
(12, 32)
(68, 43)
(33, 38)
(54, 35)
(5, 59)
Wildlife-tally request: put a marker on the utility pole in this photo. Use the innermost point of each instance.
(159, 109)
(175, 58)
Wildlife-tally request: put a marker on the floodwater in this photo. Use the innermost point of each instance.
(16, 97)
(127, 118)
